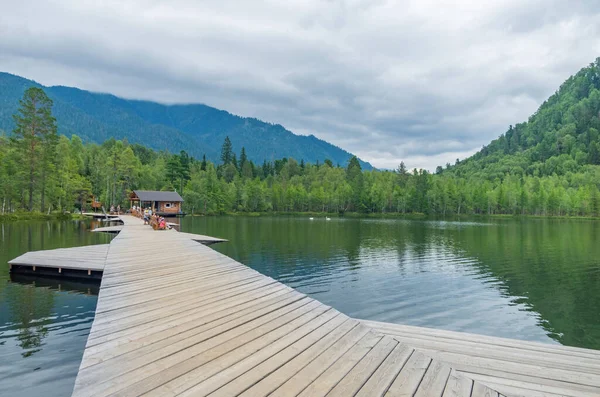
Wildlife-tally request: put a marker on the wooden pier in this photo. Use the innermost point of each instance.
(175, 317)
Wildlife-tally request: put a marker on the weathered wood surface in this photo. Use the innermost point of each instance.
(513, 367)
(108, 229)
(177, 318)
(207, 240)
(100, 215)
(91, 257)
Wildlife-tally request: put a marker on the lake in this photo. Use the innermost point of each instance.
(531, 279)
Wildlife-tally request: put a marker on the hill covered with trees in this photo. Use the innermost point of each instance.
(547, 166)
(197, 129)
(562, 137)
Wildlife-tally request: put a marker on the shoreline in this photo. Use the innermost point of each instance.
(394, 215)
(38, 216)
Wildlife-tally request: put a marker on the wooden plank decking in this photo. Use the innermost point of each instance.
(108, 229)
(207, 240)
(175, 317)
(511, 366)
(81, 262)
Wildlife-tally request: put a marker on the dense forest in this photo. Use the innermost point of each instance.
(549, 166)
(198, 129)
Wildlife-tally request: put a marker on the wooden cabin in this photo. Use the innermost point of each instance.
(162, 203)
(96, 205)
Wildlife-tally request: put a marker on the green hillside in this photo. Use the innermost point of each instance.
(198, 129)
(547, 166)
(562, 137)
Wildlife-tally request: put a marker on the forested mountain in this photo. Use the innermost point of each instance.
(562, 137)
(548, 166)
(198, 129)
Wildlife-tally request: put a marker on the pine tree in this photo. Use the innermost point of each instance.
(243, 158)
(173, 169)
(35, 137)
(203, 164)
(354, 177)
(226, 151)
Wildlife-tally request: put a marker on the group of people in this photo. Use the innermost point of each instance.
(150, 218)
(116, 210)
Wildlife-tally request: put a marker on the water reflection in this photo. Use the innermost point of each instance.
(530, 279)
(28, 310)
(44, 323)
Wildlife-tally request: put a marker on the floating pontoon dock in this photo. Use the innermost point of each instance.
(175, 317)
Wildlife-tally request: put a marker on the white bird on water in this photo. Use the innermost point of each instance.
(311, 218)
(327, 218)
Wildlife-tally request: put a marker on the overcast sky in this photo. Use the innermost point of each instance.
(421, 81)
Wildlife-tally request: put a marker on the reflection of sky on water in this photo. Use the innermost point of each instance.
(438, 290)
(41, 354)
(517, 278)
(532, 280)
(44, 322)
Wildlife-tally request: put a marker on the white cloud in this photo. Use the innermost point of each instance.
(420, 81)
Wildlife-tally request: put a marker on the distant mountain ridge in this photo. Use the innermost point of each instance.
(196, 128)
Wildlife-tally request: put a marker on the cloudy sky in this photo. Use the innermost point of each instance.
(421, 81)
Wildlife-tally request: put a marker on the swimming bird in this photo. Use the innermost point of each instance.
(327, 218)
(311, 218)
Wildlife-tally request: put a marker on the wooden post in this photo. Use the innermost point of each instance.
(34, 268)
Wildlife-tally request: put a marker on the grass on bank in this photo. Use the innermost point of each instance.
(38, 216)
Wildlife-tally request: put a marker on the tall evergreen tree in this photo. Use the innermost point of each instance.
(234, 161)
(243, 158)
(203, 164)
(173, 169)
(354, 177)
(266, 169)
(35, 129)
(226, 151)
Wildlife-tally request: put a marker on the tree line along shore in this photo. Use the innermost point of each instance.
(47, 173)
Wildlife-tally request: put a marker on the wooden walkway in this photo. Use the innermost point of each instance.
(207, 240)
(175, 317)
(78, 261)
(510, 366)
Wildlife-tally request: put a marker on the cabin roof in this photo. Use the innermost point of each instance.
(153, 195)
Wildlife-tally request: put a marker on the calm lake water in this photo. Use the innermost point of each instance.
(534, 279)
(44, 323)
